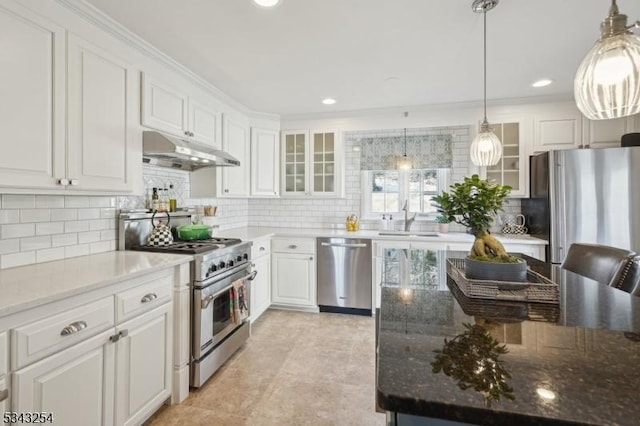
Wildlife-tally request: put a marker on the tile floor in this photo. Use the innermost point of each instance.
(296, 369)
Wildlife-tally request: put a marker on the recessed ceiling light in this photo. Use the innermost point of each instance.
(328, 101)
(542, 83)
(266, 3)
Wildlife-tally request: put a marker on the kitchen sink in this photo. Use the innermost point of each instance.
(409, 233)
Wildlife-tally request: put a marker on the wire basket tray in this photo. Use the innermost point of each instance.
(536, 289)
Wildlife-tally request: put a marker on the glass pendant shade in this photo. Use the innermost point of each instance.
(486, 148)
(404, 163)
(607, 84)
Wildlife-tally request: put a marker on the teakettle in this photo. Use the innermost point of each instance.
(161, 233)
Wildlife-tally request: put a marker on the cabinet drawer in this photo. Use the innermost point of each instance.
(143, 298)
(46, 336)
(294, 245)
(260, 248)
(4, 355)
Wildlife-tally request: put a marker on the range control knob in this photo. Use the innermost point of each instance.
(239, 258)
(213, 268)
(221, 265)
(245, 256)
(230, 263)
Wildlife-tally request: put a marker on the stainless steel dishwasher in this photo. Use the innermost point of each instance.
(344, 275)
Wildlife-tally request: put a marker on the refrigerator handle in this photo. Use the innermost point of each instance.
(557, 202)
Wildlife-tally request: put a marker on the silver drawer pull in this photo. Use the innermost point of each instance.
(4, 394)
(73, 328)
(345, 245)
(293, 246)
(261, 248)
(149, 297)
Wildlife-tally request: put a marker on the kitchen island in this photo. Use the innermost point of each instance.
(575, 362)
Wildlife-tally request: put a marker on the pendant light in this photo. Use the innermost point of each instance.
(607, 84)
(486, 148)
(404, 162)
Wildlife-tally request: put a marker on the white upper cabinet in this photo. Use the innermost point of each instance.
(32, 99)
(558, 130)
(204, 124)
(605, 133)
(512, 169)
(265, 162)
(100, 117)
(169, 110)
(235, 141)
(311, 163)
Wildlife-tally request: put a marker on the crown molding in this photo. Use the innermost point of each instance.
(399, 110)
(106, 23)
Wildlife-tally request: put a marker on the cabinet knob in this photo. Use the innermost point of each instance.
(262, 249)
(186, 133)
(64, 182)
(74, 182)
(226, 191)
(311, 258)
(293, 246)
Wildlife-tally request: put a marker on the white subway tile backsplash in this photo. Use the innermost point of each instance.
(35, 243)
(35, 215)
(88, 213)
(49, 201)
(88, 237)
(49, 228)
(18, 201)
(102, 201)
(75, 251)
(64, 240)
(75, 201)
(17, 230)
(99, 224)
(64, 214)
(108, 212)
(47, 255)
(100, 247)
(9, 246)
(17, 259)
(9, 216)
(109, 234)
(76, 226)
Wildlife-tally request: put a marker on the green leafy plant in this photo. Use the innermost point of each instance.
(472, 358)
(473, 203)
(442, 219)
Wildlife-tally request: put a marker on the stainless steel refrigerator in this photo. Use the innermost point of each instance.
(584, 196)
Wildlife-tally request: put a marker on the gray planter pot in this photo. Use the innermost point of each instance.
(478, 270)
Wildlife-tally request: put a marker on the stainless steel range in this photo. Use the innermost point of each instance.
(218, 264)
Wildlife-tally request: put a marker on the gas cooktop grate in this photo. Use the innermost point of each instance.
(191, 247)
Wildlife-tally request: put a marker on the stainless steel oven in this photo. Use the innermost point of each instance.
(215, 333)
(217, 264)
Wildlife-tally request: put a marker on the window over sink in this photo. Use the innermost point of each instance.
(385, 191)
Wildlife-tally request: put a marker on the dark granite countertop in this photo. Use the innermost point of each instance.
(577, 362)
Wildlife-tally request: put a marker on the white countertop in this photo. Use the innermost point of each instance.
(29, 286)
(253, 233)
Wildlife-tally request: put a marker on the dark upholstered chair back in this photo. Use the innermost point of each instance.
(628, 278)
(600, 263)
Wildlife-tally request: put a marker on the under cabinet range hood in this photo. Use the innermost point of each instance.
(167, 151)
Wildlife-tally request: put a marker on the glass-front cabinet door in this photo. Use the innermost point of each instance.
(512, 168)
(324, 170)
(295, 154)
(311, 163)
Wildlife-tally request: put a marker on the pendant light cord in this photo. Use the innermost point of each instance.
(484, 13)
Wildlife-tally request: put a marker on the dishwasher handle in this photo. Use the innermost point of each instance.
(346, 245)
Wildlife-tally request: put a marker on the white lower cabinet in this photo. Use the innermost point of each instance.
(4, 396)
(118, 374)
(294, 279)
(143, 365)
(261, 287)
(76, 385)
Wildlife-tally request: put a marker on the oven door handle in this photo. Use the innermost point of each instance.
(207, 300)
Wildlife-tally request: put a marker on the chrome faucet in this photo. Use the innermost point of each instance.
(407, 221)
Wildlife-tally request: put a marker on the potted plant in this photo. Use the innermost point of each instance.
(473, 203)
(443, 224)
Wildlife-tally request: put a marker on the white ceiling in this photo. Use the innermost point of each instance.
(287, 59)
